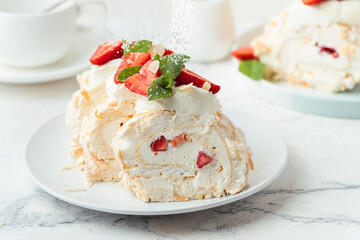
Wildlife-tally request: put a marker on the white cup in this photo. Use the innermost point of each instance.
(30, 37)
(203, 29)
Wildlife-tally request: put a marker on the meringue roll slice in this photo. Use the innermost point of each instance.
(143, 119)
(316, 45)
(179, 150)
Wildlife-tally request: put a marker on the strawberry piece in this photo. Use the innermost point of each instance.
(311, 2)
(244, 53)
(328, 50)
(136, 84)
(176, 141)
(159, 145)
(132, 59)
(167, 52)
(107, 52)
(186, 77)
(151, 71)
(139, 83)
(203, 159)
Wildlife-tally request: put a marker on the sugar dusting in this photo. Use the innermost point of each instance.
(162, 21)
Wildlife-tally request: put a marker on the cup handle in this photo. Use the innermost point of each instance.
(99, 27)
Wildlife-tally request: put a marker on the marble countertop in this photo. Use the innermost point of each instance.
(317, 196)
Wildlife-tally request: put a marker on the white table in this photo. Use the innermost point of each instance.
(317, 197)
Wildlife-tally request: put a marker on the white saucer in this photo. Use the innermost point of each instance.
(47, 152)
(346, 104)
(75, 61)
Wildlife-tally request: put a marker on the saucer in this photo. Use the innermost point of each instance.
(75, 61)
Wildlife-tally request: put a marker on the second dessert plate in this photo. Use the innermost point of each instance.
(47, 152)
(345, 104)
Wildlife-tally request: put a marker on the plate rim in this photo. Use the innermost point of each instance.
(218, 203)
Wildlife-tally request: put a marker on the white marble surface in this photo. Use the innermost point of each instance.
(317, 196)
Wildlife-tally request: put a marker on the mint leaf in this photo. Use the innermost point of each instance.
(127, 72)
(165, 82)
(253, 69)
(171, 65)
(156, 91)
(139, 46)
(157, 57)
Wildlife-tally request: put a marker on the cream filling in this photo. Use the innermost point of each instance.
(155, 175)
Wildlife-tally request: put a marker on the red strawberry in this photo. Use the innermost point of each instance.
(150, 70)
(244, 53)
(176, 141)
(203, 159)
(107, 52)
(167, 52)
(136, 84)
(311, 2)
(132, 59)
(140, 82)
(328, 50)
(186, 77)
(159, 145)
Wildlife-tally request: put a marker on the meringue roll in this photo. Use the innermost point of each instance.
(177, 149)
(156, 127)
(315, 46)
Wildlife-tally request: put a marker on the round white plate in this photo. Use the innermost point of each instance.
(346, 104)
(75, 61)
(47, 152)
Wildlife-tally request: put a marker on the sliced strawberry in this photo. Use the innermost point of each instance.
(140, 82)
(328, 50)
(132, 59)
(311, 2)
(107, 52)
(136, 84)
(167, 52)
(151, 71)
(186, 77)
(203, 159)
(176, 141)
(244, 53)
(159, 145)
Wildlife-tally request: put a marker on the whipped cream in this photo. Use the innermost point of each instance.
(186, 101)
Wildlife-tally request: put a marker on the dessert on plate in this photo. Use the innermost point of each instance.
(314, 43)
(143, 119)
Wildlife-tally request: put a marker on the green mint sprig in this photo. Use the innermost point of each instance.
(128, 72)
(139, 46)
(170, 66)
(253, 69)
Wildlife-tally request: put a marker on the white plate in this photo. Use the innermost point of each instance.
(75, 61)
(346, 104)
(47, 152)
